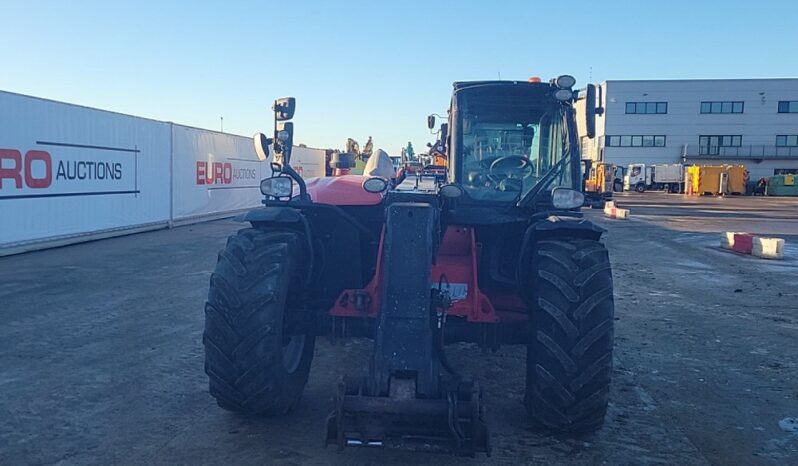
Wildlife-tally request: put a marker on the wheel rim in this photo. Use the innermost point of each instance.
(293, 347)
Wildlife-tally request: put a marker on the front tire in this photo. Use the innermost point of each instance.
(640, 187)
(254, 365)
(569, 357)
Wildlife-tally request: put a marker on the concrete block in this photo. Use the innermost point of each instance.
(768, 248)
(616, 213)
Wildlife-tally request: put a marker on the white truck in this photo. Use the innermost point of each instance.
(640, 177)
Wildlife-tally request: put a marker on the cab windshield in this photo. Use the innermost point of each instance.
(509, 144)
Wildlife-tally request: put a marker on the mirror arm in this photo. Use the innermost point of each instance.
(303, 188)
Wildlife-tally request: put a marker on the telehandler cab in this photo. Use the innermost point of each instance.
(496, 252)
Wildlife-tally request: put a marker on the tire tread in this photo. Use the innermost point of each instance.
(569, 358)
(243, 322)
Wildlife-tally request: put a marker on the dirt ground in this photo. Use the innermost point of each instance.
(101, 355)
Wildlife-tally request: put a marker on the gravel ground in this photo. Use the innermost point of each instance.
(101, 355)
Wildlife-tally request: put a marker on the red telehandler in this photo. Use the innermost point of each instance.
(495, 252)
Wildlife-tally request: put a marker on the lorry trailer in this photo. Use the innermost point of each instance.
(665, 177)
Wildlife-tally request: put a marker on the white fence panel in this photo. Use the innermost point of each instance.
(214, 173)
(309, 163)
(68, 173)
(67, 170)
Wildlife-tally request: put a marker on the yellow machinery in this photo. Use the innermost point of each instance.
(738, 178)
(438, 160)
(716, 179)
(599, 180)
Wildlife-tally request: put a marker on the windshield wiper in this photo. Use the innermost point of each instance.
(553, 172)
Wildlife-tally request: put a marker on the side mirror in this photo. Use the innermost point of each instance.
(284, 108)
(590, 111)
(262, 144)
(283, 141)
(431, 122)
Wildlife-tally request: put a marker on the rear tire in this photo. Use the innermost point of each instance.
(252, 365)
(569, 357)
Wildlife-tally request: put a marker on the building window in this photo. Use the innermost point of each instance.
(635, 141)
(722, 107)
(787, 140)
(647, 107)
(788, 106)
(710, 145)
(584, 145)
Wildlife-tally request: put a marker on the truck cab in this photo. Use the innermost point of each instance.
(637, 178)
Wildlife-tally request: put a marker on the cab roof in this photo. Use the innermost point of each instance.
(466, 84)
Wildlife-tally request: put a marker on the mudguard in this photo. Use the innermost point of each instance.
(271, 214)
(560, 225)
(554, 226)
(263, 217)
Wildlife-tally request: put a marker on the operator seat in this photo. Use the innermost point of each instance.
(380, 164)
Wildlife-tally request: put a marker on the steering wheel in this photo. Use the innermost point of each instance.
(505, 167)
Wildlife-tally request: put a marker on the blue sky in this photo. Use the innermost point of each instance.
(362, 69)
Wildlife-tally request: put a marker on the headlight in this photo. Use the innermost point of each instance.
(563, 94)
(565, 81)
(564, 198)
(277, 186)
(375, 184)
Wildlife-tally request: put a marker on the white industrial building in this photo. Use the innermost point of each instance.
(753, 122)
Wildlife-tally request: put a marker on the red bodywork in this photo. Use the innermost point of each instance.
(456, 264)
(344, 190)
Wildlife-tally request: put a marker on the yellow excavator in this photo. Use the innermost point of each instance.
(600, 180)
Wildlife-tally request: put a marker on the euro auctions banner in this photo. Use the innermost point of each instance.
(214, 173)
(68, 170)
(63, 171)
(218, 172)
